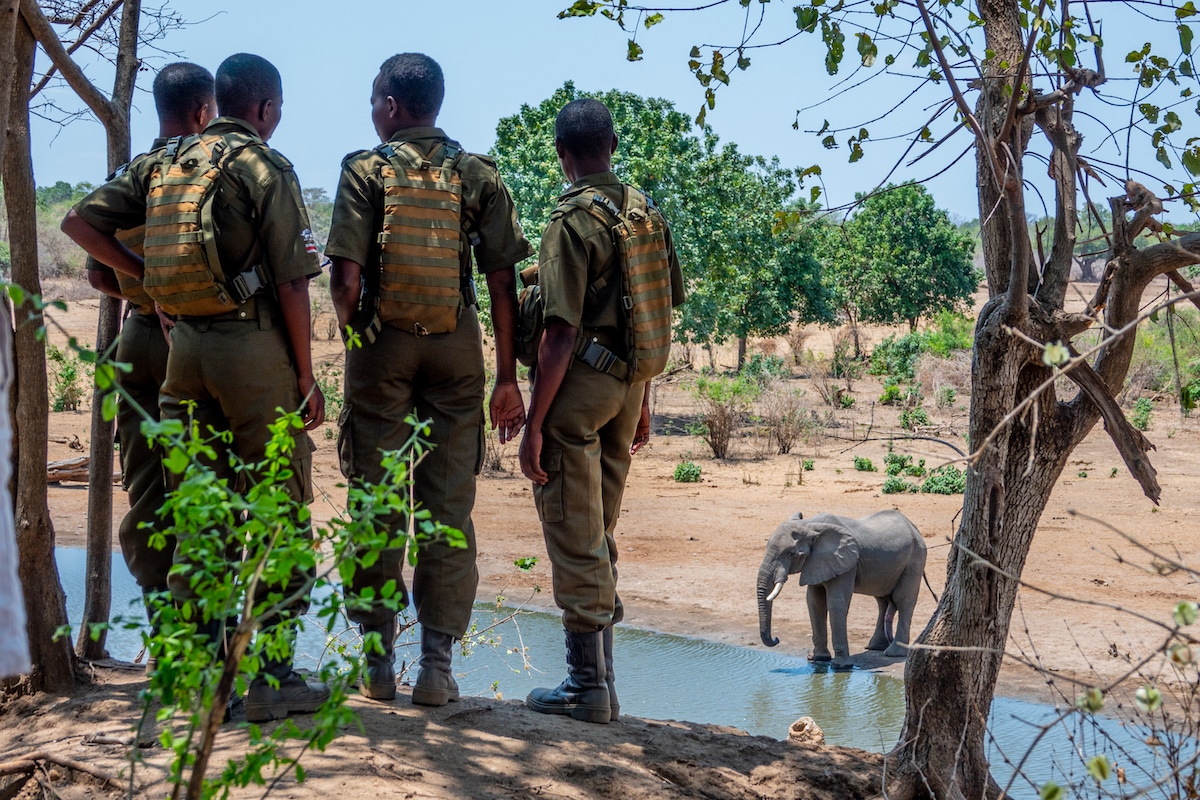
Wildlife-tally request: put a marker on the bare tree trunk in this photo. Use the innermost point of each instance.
(98, 600)
(9, 17)
(53, 662)
(741, 352)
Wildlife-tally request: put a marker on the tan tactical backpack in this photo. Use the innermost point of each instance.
(131, 287)
(639, 235)
(421, 243)
(183, 271)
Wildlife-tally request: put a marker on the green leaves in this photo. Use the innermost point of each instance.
(634, 51)
(1091, 701)
(866, 49)
(1099, 768)
(807, 18)
(1148, 699)
(1186, 613)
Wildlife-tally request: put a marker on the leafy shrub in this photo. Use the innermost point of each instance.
(897, 485)
(897, 357)
(809, 464)
(723, 406)
(687, 472)
(863, 464)
(844, 364)
(950, 332)
(1140, 418)
(896, 464)
(946, 395)
(945, 480)
(69, 379)
(891, 395)
(764, 368)
(846, 400)
(910, 418)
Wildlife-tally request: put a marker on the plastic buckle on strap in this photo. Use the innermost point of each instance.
(597, 356)
(627, 301)
(246, 284)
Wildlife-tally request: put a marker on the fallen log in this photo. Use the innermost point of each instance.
(73, 469)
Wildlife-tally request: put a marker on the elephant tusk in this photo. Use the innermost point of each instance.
(775, 593)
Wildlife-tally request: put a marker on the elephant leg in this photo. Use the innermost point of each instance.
(904, 597)
(838, 598)
(818, 615)
(882, 636)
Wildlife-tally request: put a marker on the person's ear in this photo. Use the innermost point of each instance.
(264, 110)
(558, 148)
(393, 107)
(204, 115)
(613, 149)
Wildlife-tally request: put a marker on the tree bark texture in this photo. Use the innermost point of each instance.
(53, 662)
(951, 674)
(98, 599)
(9, 16)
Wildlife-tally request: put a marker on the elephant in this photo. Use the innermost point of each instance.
(882, 555)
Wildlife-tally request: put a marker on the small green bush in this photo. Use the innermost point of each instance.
(763, 368)
(950, 332)
(69, 379)
(846, 400)
(946, 395)
(809, 464)
(945, 480)
(897, 485)
(687, 472)
(910, 418)
(891, 395)
(1140, 418)
(724, 403)
(896, 464)
(863, 464)
(897, 357)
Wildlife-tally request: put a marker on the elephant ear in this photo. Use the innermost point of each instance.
(834, 551)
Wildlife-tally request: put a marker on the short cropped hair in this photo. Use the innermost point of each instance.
(584, 128)
(415, 80)
(180, 89)
(244, 81)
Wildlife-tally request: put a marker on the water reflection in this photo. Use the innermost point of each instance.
(671, 677)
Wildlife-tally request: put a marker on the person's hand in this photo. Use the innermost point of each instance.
(164, 321)
(643, 431)
(313, 410)
(531, 457)
(507, 410)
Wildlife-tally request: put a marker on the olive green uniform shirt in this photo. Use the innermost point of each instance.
(577, 251)
(489, 218)
(250, 225)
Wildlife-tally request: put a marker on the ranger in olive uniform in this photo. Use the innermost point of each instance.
(585, 418)
(232, 370)
(183, 97)
(427, 358)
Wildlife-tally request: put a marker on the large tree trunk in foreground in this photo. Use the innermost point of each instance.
(53, 662)
(941, 753)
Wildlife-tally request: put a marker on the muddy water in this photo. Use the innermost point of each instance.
(670, 677)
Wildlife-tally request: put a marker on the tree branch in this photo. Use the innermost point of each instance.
(42, 30)
(1130, 442)
(78, 43)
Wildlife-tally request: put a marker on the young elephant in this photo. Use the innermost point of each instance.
(882, 555)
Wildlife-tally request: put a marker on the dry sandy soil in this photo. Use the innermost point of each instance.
(689, 555)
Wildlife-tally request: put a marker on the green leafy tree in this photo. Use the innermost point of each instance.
(720, 202)
(901, 259)
(1010, 76)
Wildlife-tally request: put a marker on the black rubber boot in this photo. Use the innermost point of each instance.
(435, 684)
(610, 677)
(584, 694)
(294, 695)
(379, 669)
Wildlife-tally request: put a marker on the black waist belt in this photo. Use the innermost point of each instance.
(595, 355)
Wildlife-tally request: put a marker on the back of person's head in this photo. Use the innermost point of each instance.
(585, 128)
(414, 80)
(244, 82)
(180, 89)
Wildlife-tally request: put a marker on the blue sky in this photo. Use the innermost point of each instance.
(497, 56)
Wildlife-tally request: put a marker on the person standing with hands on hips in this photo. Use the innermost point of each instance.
(608, 278)
(407, 216)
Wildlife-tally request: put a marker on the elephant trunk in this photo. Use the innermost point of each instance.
(770, 578)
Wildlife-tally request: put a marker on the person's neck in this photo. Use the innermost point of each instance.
(582, 168)
(168, 130)
(405, 123)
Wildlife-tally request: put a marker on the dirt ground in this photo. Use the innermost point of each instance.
(689, 554)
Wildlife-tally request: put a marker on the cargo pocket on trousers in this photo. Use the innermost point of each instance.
(345, 444)
(482, 451)
(549, 498)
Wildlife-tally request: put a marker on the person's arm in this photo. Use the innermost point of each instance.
(345, 285)
(507, 408)
(555, 352)
(104, 280)
(105, 248)
(293, 303)
(643, 429)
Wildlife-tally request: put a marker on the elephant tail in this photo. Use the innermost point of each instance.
(925, 577)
